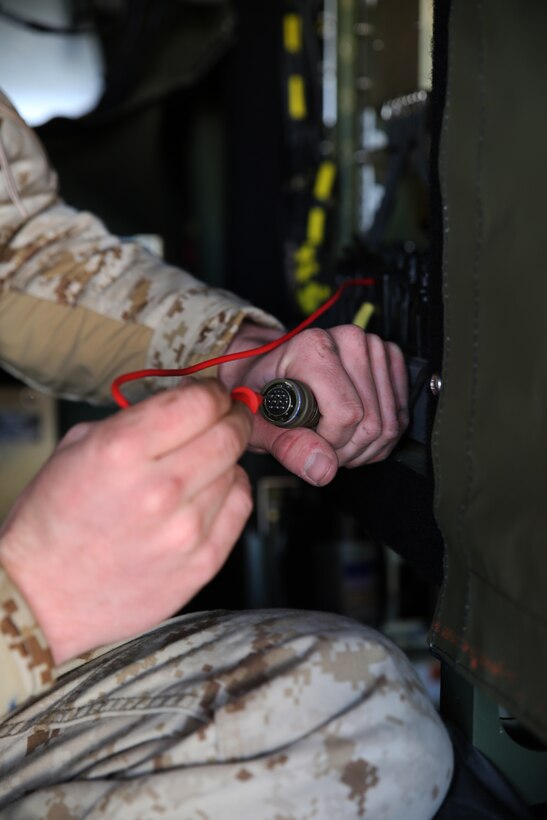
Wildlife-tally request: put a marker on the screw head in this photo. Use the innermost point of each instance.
(435, 384)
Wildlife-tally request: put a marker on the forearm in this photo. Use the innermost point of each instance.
(78, 305)
(86, 307)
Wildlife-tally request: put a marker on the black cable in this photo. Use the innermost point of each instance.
(44, 28)
(312, 55)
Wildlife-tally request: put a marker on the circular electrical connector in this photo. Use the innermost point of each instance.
(288, 403)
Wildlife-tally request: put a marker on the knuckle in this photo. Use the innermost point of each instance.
(351, 334)
(191, 530)
(373, 428)
(377, 346)
(114, 446)
(349, 414)
(182, 533)
(320, 341)
(162, 496)
(394, 350)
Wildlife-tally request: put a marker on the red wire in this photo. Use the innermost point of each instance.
(121, 400)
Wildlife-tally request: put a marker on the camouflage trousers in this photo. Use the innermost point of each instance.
(267, 715)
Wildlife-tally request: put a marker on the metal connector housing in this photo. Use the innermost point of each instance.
(289, 403)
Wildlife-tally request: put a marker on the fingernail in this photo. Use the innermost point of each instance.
(317, 466)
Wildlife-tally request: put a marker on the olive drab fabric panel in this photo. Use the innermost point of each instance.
(490, 433)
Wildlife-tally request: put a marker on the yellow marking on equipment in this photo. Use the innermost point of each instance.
(316, 225)
(305, 272)
(305, 254)
(324, 180)
(363, 315)
(306, 263)
(311, 296)
(292, 33)
(297, 97)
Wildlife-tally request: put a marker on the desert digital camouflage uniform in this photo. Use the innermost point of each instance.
(272, 715)
(79, 306)
(262, 715)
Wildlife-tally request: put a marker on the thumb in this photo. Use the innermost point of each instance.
(300, 450)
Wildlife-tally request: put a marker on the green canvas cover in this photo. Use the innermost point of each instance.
(490, 432)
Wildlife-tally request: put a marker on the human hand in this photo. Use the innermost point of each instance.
(130, 517)
(361, 386)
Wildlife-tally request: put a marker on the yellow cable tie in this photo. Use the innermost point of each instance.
(306, 271)
(316, 225)
(311, 296)
(304, 254)
(324, 181)
(363, 315)
(297, 97)
(292, 33)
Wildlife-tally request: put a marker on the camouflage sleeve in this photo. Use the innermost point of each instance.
(26, 664)
(79, 306)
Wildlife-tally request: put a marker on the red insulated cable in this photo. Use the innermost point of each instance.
(121, 400)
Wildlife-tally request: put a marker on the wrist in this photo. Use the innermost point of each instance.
(24, 639)
(41, 606)
(249, 336)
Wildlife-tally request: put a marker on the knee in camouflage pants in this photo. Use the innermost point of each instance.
(268, 715)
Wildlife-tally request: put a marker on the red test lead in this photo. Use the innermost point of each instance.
(251, 398)
(121, 400)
